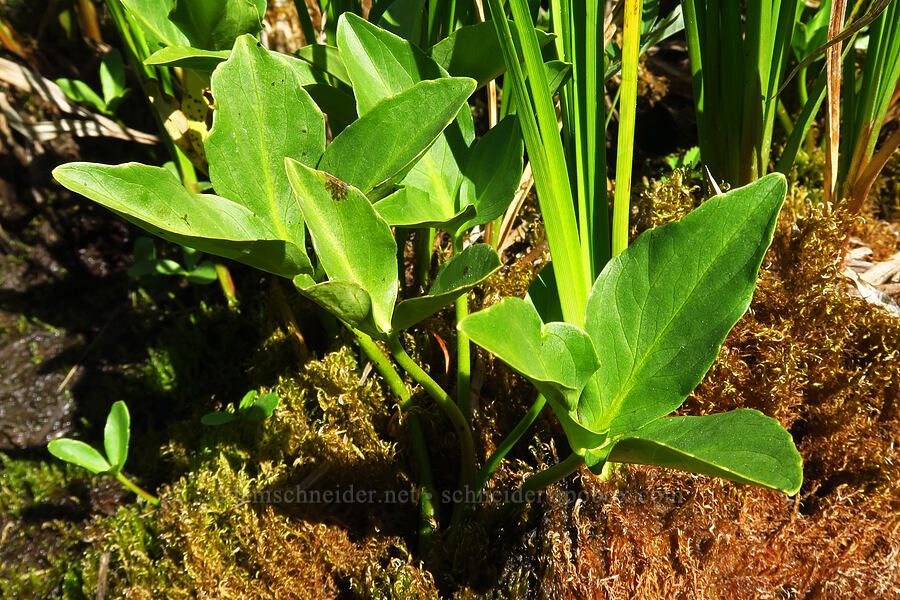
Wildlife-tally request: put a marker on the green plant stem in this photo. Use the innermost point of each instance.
(136, 489)
(424, 247)
(463, 353)
(227, 284)
(541, 480)
(417, 439)
(627, 112)
(493, 461)
(443, 400)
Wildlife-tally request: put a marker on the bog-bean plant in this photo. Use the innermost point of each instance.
(116, 437)
(612, 359)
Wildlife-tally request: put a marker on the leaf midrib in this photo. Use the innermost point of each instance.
(626, 389)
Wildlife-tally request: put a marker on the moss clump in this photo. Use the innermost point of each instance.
(663, 201)
(226, 528)
(822, 362)
(39, 538)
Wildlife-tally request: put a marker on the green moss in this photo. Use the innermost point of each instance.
(39, 541)
(219, 531)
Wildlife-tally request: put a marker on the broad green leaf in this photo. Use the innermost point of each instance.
(353, 243)
(381, 65)
(345, 300)
(558, 73)
(659, 311)
(305, 73)
(203, 274)
(410, 206)
(543, 294)
(456, 277)
(153, 18)
(116, 435)
(474, 51)
(80, 454)
(557, 358)
(153, 199)
(112, 77)
(338, 105)
(262, 408)
(265, 116)
(401, 127)
(215, 419)
(742, 445)
(80, 92)
(188, 58)
(492, 172)
(403, 18)
(248, 400)
(327, 59)
(216, 24)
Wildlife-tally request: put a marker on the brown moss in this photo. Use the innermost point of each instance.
(823, 363)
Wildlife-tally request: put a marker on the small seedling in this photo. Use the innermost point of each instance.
(252, 408)
(116, 435)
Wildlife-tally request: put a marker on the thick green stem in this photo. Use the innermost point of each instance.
(463, 353)
(136, 489)
(417, 439)
(490, 465)
(541, 480)
(424, 247)
(443, 400)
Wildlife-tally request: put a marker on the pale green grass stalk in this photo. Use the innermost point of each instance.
(627, 113)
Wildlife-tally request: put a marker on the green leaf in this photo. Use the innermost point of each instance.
(216, 24)
(558, 73)
(492, 172)
(659, 311)
(116, 435)
(248, 400)
(411, 206)
(78, 453)
(338, 105)
(327, 59)
(456, 277)
(543, 294)
(215, 419)
(353, 243)
(557, 358)
(264, 116)
(474, 51)
(153, 199)
(262, 408)
(203, 274)
(112, 77)
(742, 445)
(79, 91)
(401, 127)
(345, 300)
(188, 58)
(402, 17)
(381, 65)
(152, 17)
